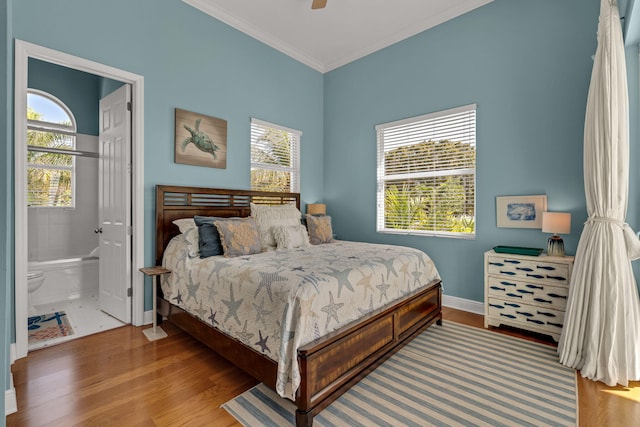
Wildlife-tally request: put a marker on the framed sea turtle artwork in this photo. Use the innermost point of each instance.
(200, 140)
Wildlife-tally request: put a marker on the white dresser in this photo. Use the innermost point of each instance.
(527, 292)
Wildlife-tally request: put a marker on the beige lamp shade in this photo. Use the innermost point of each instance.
(556, 222)
(317, 209)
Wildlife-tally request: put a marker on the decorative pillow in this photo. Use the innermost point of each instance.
(209, 239)
(320, 230)
(239, 236)
(188, 228)
(267, 216)
(290, 237)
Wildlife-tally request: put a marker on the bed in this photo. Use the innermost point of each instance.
(337, 351)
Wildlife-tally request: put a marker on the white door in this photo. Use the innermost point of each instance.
(115, 204)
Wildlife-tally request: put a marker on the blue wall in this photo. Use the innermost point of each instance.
(527, 65)
(194, 62)
(80, 91)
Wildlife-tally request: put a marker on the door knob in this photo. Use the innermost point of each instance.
(98, 230)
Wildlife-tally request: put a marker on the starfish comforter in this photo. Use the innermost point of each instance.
(277, 301)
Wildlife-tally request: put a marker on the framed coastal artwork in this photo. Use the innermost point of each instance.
(520, 211)
(200, 140)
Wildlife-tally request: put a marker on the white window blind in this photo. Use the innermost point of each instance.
(426, 174)
(275, 157)
(51, 141)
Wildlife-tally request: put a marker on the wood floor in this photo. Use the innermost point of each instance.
(118, 378)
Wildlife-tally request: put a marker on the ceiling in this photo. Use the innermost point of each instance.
(346, 30)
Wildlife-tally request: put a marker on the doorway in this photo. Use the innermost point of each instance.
(23, 52)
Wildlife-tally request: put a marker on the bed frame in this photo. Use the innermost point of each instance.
(330, 365)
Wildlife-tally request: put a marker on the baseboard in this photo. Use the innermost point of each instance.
(10, 401)
(147, 317)
(463, 304)
(13, 353)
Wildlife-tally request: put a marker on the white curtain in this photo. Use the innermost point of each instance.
(601, 334)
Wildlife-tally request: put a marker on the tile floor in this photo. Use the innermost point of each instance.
(84, 316)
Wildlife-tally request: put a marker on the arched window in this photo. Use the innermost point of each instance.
(51, 134)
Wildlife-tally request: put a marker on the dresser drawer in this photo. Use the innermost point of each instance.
(530, 292)
(528, 269)
(528, 315)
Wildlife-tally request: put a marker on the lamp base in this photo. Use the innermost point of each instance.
(555, 246)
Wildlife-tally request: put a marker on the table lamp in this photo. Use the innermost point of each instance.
(556, 223)
(316, 209)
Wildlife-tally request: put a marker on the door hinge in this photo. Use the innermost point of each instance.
(128, 168)
(129, 230)
(129, 292)
(129, 106)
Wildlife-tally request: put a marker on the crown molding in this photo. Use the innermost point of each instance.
(223, 15)
(215, 11)
(411, 31)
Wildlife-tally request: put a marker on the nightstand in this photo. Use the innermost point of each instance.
(156, 332)
(527, 292)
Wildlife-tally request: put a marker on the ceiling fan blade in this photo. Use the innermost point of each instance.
(318, 4)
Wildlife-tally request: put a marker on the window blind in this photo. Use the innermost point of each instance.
(426, 174)
(275, 157)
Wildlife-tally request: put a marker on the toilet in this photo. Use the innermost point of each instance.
(35, 279)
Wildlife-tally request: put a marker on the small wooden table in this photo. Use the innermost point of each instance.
(156, 332)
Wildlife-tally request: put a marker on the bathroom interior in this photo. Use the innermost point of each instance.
(63, 242)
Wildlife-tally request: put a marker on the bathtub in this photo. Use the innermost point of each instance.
(65, 279)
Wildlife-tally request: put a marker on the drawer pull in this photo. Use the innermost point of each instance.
(559, 325)
(557, 296)
(495, 288)
(496, 306)
(534, 286)
(514, 295)
(524, 291)
(535, 276)
(556, 277)
(544, 313)
(510, 304)
(539, 322)
(524, 268)
(508, 284)
(510, 316)
(545, 267)
(499, 264)
(524, 313)
(510, 273)
(543, 300)
(512, 261)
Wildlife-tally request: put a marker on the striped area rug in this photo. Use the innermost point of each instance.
(451, 375)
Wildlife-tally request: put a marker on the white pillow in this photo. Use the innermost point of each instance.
(294, 236)
(267, 217)
(184, 224)
(189, 229)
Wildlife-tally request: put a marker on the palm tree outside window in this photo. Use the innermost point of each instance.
(51, 133)
(275, 157)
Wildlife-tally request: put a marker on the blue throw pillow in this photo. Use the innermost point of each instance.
(209, 238)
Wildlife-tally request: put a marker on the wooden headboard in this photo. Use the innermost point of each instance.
(175, 202)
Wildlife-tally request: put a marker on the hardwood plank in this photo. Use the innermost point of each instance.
(118, 377)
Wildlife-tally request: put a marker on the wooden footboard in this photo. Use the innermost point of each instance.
(331, 365)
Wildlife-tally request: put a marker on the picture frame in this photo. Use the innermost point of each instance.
(200, 140)
(520, 211)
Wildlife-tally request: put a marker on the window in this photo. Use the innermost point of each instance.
(51, 134)
(426, 174)
(275, 157)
